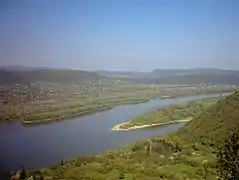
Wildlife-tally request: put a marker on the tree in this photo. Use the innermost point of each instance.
(228, 158)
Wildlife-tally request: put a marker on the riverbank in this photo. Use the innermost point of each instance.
(168, 115)
(81, 111)
(48, 112)
(44, 121)
(119, 126)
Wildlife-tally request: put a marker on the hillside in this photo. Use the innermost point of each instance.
(213, 126)
(188, 153)
(47, 75)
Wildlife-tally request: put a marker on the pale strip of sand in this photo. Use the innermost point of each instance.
(118, 128)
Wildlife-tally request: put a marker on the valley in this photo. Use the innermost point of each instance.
(187, 153)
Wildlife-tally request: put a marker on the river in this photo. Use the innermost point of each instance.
(47, 144)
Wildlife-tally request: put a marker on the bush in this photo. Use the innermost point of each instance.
(228, 158)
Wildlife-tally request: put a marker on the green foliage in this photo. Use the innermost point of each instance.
(228, 158)
(171, 113)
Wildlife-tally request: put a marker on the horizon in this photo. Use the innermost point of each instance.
(121, 35)
(114, 70)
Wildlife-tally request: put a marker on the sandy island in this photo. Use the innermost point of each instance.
(118, 128)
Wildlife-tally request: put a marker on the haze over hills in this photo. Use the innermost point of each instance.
(22, 74)
(162, 73)
(122, 74)
(178, 76)
(26, 75)
(194, 79)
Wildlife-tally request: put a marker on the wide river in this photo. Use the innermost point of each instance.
(45, 145)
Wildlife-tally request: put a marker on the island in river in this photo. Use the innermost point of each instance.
(120, 127)
(172, 114)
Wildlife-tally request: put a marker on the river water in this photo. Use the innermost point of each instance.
(45, 145)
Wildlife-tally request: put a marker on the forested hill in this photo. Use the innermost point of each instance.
(214, 125)
(47, 75)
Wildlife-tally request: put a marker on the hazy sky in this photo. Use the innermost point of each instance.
(120, 34)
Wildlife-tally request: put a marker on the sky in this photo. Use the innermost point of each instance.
(138, 35)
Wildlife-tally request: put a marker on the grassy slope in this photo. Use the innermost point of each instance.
(171, 113)
(151, 159)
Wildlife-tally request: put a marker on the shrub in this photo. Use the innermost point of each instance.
(228, 158)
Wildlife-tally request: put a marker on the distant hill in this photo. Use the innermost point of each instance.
(21, 68)
(162, 73)
(21, 74)
(9, 76)
(123, 74)
(195, 79)
(178, 76)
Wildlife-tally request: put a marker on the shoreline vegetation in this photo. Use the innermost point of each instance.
(180, 113)
(97, 108)
(82, 113)
(118, 127)
(51, 110)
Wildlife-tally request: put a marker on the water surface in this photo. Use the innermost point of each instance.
(44, 145)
